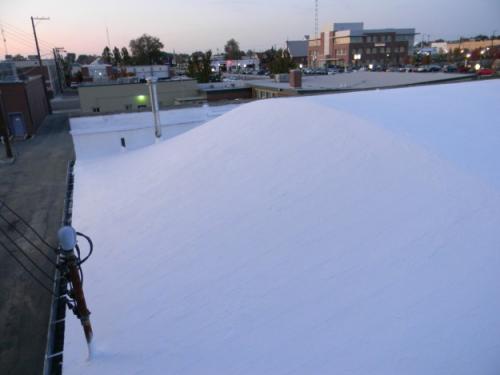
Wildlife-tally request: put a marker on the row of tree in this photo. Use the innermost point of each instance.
(145, 50)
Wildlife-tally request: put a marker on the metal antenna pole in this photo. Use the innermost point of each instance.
(67, 242)
(316, 19)
(4, 41)
(40, 58)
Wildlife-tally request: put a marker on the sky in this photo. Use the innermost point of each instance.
(189, 25)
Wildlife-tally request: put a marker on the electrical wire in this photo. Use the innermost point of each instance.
(39, 282)
(26, 255)
(28, 240)
(3, 204)
(25, 41)
(29, 34)
(91, 247)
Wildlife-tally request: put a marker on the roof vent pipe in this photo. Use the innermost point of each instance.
(155, 107)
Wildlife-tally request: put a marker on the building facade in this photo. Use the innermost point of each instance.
(350, 44)
(49, 70)
(25, 105)
(146, 71)
(115, 97)
(471, 45)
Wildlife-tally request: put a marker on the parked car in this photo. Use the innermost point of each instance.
(74, 85)
(449, 68)
(434, 68)
(485, 72)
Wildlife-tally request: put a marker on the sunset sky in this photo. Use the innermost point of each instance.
(188, 25)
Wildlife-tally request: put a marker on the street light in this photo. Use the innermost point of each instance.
(467, 57)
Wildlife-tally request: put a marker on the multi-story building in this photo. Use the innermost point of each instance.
(349, 44)
(471, 45)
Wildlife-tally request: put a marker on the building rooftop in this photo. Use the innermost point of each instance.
(357, 81)
(297, 48)
(333, 234)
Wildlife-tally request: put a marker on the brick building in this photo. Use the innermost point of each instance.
(49, 70)
(25, 105)
(350, 44)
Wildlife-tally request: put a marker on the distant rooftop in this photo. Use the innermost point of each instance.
(356, 81)
(297, 48)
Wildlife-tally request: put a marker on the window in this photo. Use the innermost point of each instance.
(140, 107)
(96, 109)
(401, 49)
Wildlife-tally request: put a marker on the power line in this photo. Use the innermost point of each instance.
(24, 42)
(28, 33)
(19, 217)
(28, 240)
(39, 282)
(6, 235)
(23, 37)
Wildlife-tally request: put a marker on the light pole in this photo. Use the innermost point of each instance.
(467, 57)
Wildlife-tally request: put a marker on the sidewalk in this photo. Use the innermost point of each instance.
(34, 185)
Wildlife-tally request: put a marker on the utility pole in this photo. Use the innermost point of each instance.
(57, 59)
(40, 58)
(4, 131)
(67, 242)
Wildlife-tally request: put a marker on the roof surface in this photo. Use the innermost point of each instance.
(331, 234)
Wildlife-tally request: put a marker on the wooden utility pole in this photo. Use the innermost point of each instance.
(4, 130)
(40, 59)
(57, 61)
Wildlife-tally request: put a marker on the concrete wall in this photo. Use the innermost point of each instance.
(131, 97)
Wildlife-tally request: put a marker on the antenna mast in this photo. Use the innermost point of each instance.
(316, 18)
(107, 37)
(4, 41)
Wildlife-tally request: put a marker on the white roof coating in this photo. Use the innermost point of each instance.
(336, 234)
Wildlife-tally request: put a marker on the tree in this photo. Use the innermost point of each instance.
(267, 57)
(199, 66)
(146, 50)
(70, 58)
(127, 60)
(18, 57)
(249, 53)
(232, 49)
(481, 37)
(85, 59)
(117, 57)
(106, 55)
(282, 62)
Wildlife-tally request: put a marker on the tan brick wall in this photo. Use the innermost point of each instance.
(120, 98)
